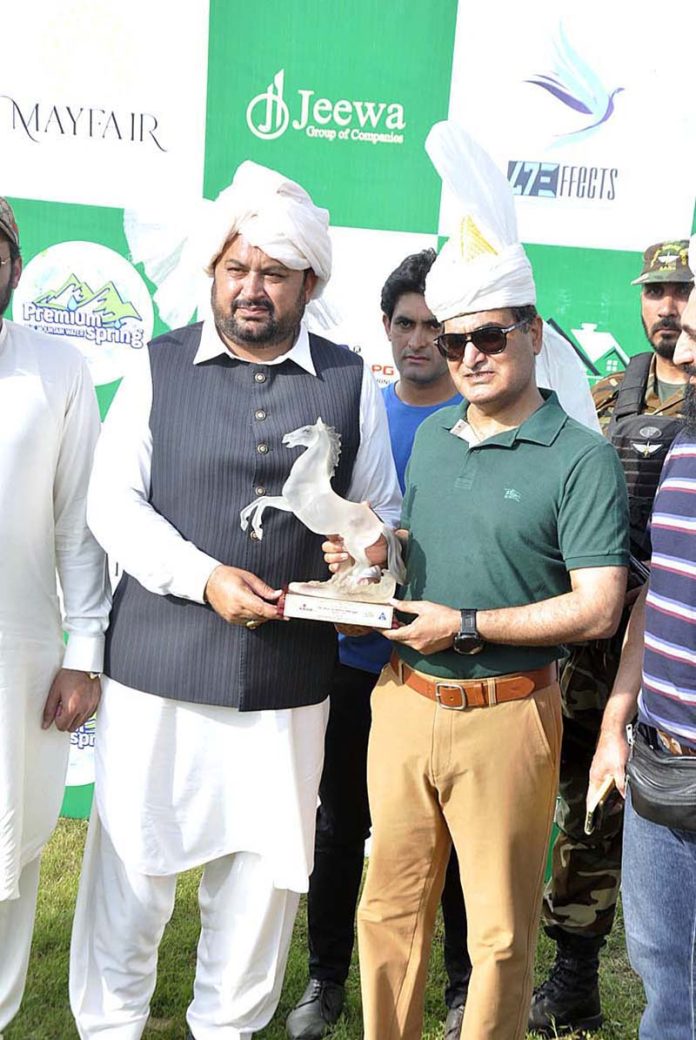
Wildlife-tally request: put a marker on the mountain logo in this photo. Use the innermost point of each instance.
(578, 87)
(87, 293)
(75, 296)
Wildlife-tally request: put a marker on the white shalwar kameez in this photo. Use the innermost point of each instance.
(49, 424)
(182, 784)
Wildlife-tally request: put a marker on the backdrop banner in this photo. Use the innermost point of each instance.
(109, 154)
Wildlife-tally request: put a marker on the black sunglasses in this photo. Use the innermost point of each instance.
(489, 339)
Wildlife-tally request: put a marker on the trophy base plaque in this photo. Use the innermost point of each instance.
(337, 611)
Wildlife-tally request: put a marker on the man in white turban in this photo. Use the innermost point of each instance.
(516, 524)
(210, 737)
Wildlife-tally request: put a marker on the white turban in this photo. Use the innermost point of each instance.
(274, 214)
(177, 242)
(482, 267)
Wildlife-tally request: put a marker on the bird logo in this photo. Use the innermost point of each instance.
(574, 84)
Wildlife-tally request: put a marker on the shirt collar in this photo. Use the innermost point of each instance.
(3, 334)
(541, 427)
(211, 346)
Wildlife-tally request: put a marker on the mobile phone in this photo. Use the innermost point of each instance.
(594, 808)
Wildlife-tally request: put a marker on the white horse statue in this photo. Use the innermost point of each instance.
(308, 494)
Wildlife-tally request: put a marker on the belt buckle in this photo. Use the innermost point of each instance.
(451, 686)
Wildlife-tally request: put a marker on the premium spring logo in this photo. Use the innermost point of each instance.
(269, 116)
(91, 295)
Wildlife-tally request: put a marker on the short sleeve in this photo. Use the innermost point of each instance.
(593, 528)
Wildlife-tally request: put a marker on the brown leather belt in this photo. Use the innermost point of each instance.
(475, 693)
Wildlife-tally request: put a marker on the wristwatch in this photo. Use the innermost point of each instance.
(467, 639)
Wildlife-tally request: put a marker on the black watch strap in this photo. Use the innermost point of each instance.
(467, 640)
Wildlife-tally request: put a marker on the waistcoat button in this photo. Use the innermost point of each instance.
(259, 414)
(262, 449)
(260, 377)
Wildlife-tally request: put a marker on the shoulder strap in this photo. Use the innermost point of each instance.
(631, 393)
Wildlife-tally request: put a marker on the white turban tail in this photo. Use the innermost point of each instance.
(483, 266)
(274, 214)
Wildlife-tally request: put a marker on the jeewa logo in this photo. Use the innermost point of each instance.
(269, 116)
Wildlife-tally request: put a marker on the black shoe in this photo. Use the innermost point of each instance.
(568, 1001)
(453, 1023)
(316, 1011)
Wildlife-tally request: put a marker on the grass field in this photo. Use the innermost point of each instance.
(45, 1014)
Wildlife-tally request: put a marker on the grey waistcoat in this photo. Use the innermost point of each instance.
(217, 429)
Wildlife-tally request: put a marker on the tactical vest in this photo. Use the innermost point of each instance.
(642, 441)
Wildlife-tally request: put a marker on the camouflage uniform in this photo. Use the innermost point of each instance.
(580, 897)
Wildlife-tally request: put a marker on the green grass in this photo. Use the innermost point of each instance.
(45, 1014)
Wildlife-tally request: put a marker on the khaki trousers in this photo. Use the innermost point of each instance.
(486, 780)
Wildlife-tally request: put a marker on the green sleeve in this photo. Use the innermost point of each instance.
(593, 515)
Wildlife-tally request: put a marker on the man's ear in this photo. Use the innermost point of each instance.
(16, 272)
(386, 321)
(310, 284)
(536, 329)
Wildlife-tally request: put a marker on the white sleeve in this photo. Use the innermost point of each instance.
(133, 533)
(80, 562)
(374, 477)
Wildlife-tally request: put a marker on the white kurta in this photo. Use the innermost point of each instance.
(49, 423)
(181, 784)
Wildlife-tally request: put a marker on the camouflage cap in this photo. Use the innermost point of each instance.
(666, 262)
(8, 224)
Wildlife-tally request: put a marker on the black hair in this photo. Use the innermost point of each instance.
(408, 277)
(527, 313)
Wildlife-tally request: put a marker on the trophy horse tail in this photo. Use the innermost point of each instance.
(395, 563)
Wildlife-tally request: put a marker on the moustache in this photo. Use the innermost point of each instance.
(667, 325)
(265, 305)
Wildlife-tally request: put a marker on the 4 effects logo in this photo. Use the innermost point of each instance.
(579, 89)
(91, 295)
(268, 116)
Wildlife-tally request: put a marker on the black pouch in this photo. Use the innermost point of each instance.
(663, 786)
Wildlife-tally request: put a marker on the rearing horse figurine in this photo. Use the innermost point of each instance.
(308, 494)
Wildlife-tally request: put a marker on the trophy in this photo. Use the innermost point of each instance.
(358, 593)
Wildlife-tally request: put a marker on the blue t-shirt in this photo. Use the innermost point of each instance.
(371, 653)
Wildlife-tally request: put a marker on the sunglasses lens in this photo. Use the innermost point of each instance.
(489, 340)
(452, 345)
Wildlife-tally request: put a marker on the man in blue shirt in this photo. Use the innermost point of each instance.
(343, 818)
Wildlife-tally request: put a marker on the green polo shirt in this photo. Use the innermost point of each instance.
(501, 524)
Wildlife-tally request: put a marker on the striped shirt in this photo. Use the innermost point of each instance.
(668, 695)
